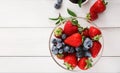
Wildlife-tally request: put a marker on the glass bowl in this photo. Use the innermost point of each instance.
(82, 2)
(84, 23)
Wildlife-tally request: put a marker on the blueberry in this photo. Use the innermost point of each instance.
(54, 47)
(57, 6)
(54, 41)
(66, 48)
(63, 44)
(64, 36)
(59, 1)
(78, 49)
(59, 45)
(87, 54)
(55, 51)
(79, 54)
(71, 50)
(59, 40)
(85, 49)
(88, 43)
(61, 51)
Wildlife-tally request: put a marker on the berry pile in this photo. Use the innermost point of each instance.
(75, 47)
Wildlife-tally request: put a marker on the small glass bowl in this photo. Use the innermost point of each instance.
(82, 3)
(84, 23)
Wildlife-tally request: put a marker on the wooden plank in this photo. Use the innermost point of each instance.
(34, 41)
(35, 13)
(46, 64)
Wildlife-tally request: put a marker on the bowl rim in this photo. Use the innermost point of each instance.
(61, 24)
(85, 2)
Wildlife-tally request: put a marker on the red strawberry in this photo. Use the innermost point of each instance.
(94, 7)
(99, 6)
(85, 32)
(92, 16)
(69, 28)
(70, 61)
(74, 40)
(84, 63)
(95, 48)
(93, 31)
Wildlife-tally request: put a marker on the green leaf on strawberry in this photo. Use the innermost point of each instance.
(96, 38)
(69, 66)
(58, 32)
(60, 56)
(89, 63)
(83, 38)
(85, 63)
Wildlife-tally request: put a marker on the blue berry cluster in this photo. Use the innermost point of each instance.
(59, 47)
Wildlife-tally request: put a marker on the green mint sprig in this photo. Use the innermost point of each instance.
(58, 19)
(61, 19)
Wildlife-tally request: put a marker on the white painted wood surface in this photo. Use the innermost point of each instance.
(25, 31)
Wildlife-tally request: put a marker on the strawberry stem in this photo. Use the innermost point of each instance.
(105, 2)
(69, 67)
(96, 38)
(88, 16)
(89, 63)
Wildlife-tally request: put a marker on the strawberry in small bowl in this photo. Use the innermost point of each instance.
(76, 44)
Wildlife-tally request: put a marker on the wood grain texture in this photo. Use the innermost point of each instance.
(34, 41)
(35, 13)
(25, 30)
(46, 64)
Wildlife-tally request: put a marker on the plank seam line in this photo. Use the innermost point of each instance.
(47, 56)
(53, 27)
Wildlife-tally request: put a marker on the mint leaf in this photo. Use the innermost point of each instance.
(57, 22)
(79, 3)
(53, 18)
(75, 22)
(71, 13)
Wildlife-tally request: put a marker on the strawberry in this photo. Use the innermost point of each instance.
(70, 61)
(74, 40)
(94, 7)
(84, 63)
(98, 7)
(92, 16)
(58, 32)
(95, 48)
(69, 28)
(93, 32)
(85, 32)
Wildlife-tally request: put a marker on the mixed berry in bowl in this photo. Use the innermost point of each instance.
(76, 44)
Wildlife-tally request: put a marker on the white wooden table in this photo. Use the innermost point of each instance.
(25, 31)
